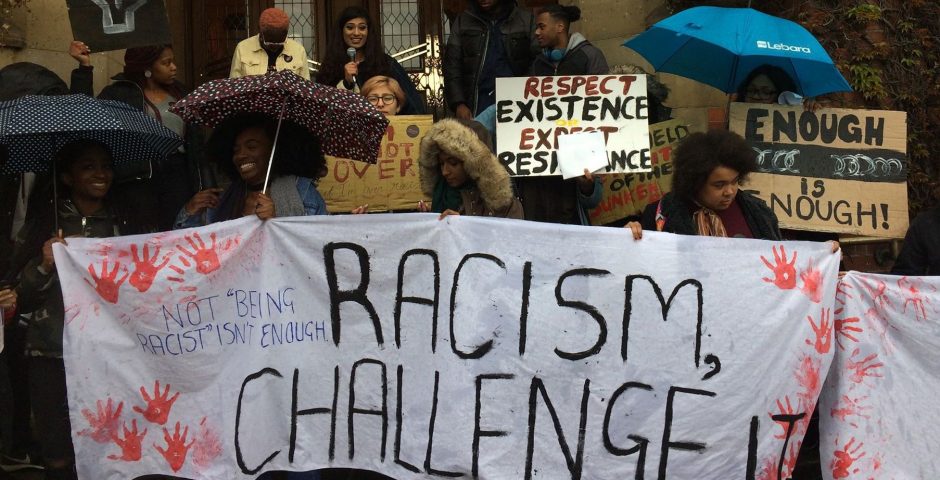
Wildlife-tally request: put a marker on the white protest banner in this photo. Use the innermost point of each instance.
(878, 414)
(412, 346)
(533, 112)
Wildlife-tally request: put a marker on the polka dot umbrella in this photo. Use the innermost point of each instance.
(34, 127)
(345, 123)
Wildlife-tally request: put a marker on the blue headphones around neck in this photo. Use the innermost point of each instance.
(554, 55)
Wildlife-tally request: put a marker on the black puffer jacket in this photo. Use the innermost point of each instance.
(921, 253)
(678, 214)
(581, 58)
(466, 51)
(26, 78)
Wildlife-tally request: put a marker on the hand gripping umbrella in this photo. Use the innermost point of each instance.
(33, 128)
(721, 46)
(345, 123)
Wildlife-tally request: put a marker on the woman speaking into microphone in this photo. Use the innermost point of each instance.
(355, 54)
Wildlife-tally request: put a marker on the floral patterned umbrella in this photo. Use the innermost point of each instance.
(346, 124)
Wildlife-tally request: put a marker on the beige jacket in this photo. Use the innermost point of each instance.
(251, 59)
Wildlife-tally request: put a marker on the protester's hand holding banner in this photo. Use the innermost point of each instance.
(392, 183)
(833, 170)
(533, 112)
(878, 414)
(477, 347)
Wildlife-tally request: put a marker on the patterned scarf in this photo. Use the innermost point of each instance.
(709, 223)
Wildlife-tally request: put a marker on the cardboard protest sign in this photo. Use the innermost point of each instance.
(106, 25)
(834, 170)
(413, 346)
(532, 112)
(392, 183)
(878, 413)
(628, 194)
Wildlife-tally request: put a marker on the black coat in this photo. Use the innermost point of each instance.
(921, 252)
(466, 51)
(678, 214)
(414, 102)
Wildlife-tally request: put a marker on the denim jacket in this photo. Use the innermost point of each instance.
(314, 204)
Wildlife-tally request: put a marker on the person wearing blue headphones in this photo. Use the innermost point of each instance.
(563, 52)
(551, 198)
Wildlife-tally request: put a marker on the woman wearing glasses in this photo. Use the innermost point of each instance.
(356, 33)
(385, 93)
(771, 85)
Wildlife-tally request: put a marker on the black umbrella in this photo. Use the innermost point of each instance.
(34, 127)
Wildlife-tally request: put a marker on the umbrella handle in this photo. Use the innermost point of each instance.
(277, 133)
(55, 195)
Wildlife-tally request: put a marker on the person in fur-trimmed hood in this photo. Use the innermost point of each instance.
(462, 175)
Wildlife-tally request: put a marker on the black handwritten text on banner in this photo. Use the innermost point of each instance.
(532, 112)
(833, 170)
(476, 347)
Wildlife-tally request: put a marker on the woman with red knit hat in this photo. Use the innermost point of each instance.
(149, 83)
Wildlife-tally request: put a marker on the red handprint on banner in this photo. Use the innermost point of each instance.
(107, 285)
(176, 447)
(812, 282)
(784, 272)
(146, 267)
(850, 407)
(823, 332)
(863, 368)
(877, 290)
(911, 290)
(104, 425)
(783, 408)
(208, 446)
(808, 377)
(842, 292)
(206, 258)
(846, 327)
(770, 467)
(844, 459)
(158, 407)
(130, 444)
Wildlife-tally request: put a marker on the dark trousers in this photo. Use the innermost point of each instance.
(14, 394)
(51, 413)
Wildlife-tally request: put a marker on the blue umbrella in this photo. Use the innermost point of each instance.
(721, 46)
(34, 127)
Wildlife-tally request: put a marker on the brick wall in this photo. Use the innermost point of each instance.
(875, 257)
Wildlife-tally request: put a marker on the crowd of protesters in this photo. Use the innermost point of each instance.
(220, 177)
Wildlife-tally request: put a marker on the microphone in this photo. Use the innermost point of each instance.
(352, 58)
